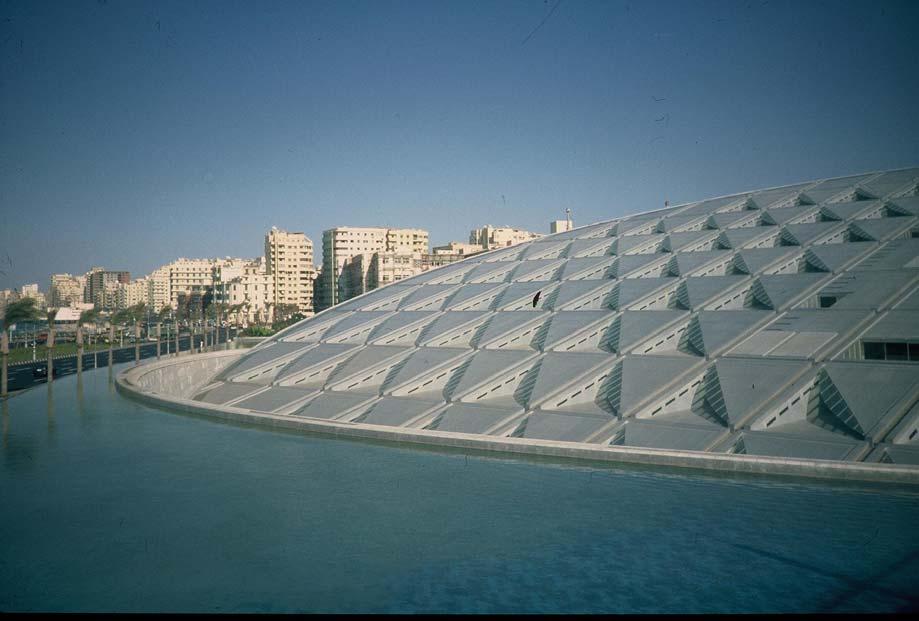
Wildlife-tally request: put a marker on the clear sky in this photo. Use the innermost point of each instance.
(132, 133)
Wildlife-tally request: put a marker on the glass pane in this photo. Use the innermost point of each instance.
(896, 351)
(874, 351)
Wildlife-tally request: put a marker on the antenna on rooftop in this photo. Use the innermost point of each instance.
(568, 217)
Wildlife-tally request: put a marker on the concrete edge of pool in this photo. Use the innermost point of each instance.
(171, 371)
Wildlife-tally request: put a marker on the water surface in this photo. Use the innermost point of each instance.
(110, 505)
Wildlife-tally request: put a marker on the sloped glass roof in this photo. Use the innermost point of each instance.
(780, 322)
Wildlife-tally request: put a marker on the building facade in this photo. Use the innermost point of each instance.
(66, 290)
(490, 237)
(289, 263)
(341, 245)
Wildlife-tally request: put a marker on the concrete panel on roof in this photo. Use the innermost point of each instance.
(691, 241)
(696, 291)
(267, 354)
(227, 392)
(767, 443)
(314, 366)
(894, 255)
(563, 426)
(311, 331)
(470, 295)
(672, 436)
(276, 398)
(448, 274)
(635, 326)
(685, 263)
(720, 329)
(519, 296)
(356, 325)
(588, 268)
(788, 215)
(511, 329)
(882, 229)
(398, 412)
(810, 233)
(485, 365)
(749, 383)
(629, 293)
(559, 370)
(491, 271)
(544, 250)
(835, 257)
(411, 377)
(892, 182)
(475, 418)
(334, 405)
(427, 298)
(638, 265)
(849, 210)
(640, 244)
(783, 290)
(867, 290)
(895, 325)
(366, 370)
(384, 295)
(537, 269)
(584, 248)
(583, 295)
(452, 327)
(756, 260)
(385, 333)
(907, 204)
(646, 376)
(566, 325)
(740, 238)
(677, 222)
(777, 196)
(872, 391)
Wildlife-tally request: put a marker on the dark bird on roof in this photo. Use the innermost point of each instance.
(536, 298)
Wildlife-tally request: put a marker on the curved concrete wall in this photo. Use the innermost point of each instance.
(171, 383)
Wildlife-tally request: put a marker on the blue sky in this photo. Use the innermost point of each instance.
(132, 133)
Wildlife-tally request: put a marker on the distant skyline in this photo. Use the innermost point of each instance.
(133, 133)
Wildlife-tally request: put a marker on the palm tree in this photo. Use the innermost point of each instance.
(50, 314)
(162, 316)
(20, 310)
(118, 318)
(86, 316)
(136, 314)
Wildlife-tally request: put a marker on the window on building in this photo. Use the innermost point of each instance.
(901, 352)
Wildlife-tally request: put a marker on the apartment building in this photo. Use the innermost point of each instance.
(289, 263)
(490, 237)
(66, 290)
(253, 287)
(341, 245)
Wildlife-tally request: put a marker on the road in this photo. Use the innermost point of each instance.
(21, 375)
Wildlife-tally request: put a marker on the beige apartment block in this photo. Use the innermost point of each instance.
(490, 237)
(289, 263)
(342, 244)
(252, 289)
(66, 290)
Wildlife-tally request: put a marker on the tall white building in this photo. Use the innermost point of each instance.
(289, 263)
(342, 244)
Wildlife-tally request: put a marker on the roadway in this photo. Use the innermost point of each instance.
(21, 374)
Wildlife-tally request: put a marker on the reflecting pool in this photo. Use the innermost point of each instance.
(109, 505)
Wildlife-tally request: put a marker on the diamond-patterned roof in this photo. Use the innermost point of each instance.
(774, 322)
